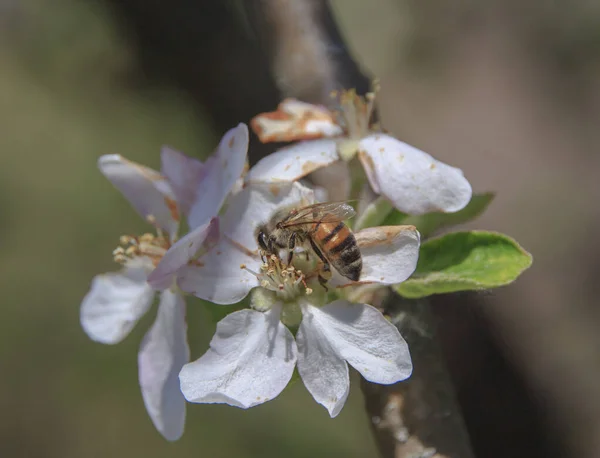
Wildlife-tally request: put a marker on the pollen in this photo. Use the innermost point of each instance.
(287, 281)
(146, 245)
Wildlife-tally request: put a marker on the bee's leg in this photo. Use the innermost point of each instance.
(291, 246)
(322, 279)
(326, 266)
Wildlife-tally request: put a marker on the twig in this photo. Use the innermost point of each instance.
(418, 418)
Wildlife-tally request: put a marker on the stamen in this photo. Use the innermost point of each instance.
(125, 239)
(147, 245)
(146, 238)
(281, 278)
(118, 251)
(355, 112)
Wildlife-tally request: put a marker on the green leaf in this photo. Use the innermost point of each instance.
(432, 222)
(395, 218)
(463, 261)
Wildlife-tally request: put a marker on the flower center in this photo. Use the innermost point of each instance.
(286, 281)
(354, 115)
(151, 246)
(354, 112)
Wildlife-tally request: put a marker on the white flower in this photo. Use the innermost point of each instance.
(117, 300)
(412, 180)
(253, 354)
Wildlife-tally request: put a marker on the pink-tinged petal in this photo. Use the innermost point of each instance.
(163, 353)
(250, 361)
(183, 251)
(114, 304)
(147, 191)
(184, 174)
(389, 255)
(362, 336)
(293, 162)
(222, 170)
(218, 276)
(256, 204)
(411, 179)
(294, 120)
(323, 371)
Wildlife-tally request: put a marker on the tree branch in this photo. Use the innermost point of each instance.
(418, 418)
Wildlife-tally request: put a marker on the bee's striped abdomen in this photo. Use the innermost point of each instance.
(339, 247)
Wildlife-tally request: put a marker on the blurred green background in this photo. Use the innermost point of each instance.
(507, 91)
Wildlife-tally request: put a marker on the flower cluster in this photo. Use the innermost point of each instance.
(263, 235)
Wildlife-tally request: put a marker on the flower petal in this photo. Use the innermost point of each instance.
(256, 204)
(218, 276)
(389, 255)
(147, 191)
(163, 353)
(250, 361)
(323, 371)
(294, 120)
(293, 162)
(365, 339)
(222, 170)
(414, 181)
(182, 252)
(184, 173)
(114, 304)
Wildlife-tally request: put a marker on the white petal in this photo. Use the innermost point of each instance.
(163, 353)
(256, 204)
(323, 371)
(365, 339)
(147, 190)
(294, 120)
(250, 361)
(389, 254)
(182, 252)
(184, 173)
(293, 162)
(114, 304)
(222, 170)
(218, 276)
(414, 181)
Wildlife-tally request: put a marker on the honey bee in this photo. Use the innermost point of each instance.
(322, 227)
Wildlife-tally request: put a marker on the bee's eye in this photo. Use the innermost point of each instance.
(262, 241)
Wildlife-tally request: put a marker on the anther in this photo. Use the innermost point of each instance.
(130, 251)
(125, 239)
(147, 238)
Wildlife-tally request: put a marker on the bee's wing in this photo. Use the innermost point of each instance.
(326, 212)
